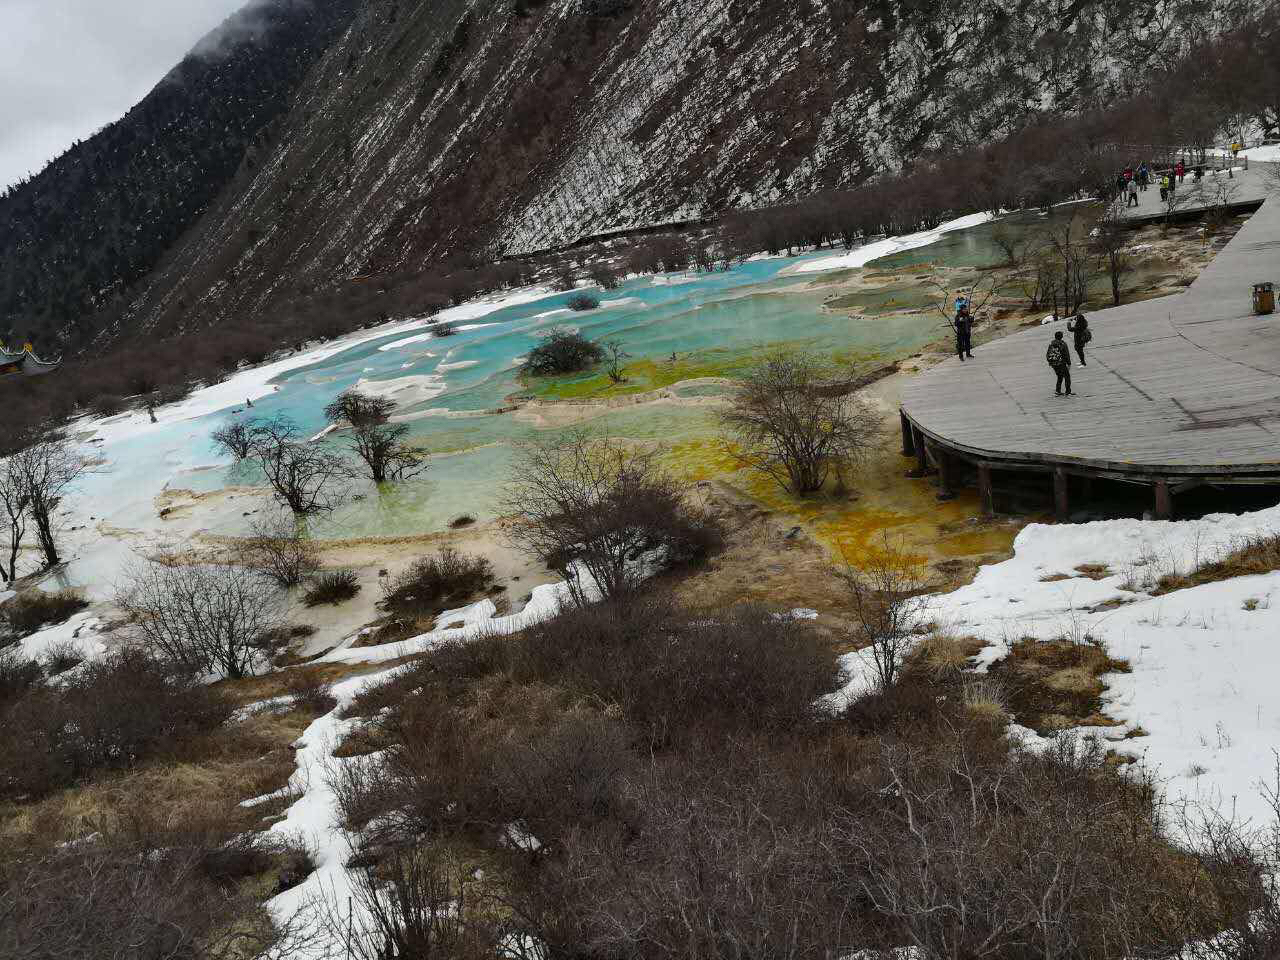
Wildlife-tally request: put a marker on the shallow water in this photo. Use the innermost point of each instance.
(674, 329)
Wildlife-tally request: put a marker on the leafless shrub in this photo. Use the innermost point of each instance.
(15, 502)
(885, 594)
(429, 583)
(332, 586)
(112, 712)
(794, 419)
(18, 674)
(61, 657)
(310, 691)
(204, 616)
(416, 903)
(674, 673)
(587, 500)
(972, 855)
(279, 548)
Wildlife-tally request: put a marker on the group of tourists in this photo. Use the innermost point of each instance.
(1059, 357)
(1135, 180)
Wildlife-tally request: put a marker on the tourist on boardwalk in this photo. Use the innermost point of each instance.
(964, 332)
(1180, 170)
(1059, 358)
(1164, 188)
(1144, 177)
(1080, 327)
(1133, 195)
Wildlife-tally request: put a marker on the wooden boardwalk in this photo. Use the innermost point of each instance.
(1178, 391)
(1243, 189)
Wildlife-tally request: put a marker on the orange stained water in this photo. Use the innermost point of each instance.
(885, 508)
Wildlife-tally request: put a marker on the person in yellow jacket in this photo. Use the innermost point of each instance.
(1164, 187)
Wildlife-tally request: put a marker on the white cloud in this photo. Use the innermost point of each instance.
(69, 67)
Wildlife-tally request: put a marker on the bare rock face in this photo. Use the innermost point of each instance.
(431, 130)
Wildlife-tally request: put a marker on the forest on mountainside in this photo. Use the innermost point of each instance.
(76, 236)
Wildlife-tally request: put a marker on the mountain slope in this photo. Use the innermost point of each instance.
(453, 129)
(99, 217)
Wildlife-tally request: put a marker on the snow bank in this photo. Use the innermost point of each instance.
(314, 817)
(1205, 660)
(890, 245)
(544, 603)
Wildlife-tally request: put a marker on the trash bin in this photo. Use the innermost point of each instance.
(1264, 298)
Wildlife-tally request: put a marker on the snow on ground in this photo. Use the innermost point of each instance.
(1268, 153)
(890, 245)
(1205, 660)
(314, 817)
(477, 621)
(80, 631)
(256, 382)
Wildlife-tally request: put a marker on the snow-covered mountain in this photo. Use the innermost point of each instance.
(430, 130)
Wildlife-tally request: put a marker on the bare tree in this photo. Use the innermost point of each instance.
(795, 419)
(614, 356)
(374, 439)
(13, 499)
(305, 477)
(885, 593)
(984, 288)
(279, 548)
(1067, 254)
(45, 469)
(203, 616)
(1110, 241)
(586, 500)
(234, 438)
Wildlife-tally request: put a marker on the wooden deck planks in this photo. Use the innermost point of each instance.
(1185, 383)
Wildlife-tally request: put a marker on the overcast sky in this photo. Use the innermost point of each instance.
(69, 67)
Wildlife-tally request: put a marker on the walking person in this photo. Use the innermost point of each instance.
(1164, 189)
(1059, 358)
(1144, 177)
(1080, 327)
(1180, 170)
(964, 333)
(1133, 195)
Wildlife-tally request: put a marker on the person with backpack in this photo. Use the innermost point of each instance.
(1059, 357)
(964, 332)
(1080, 327)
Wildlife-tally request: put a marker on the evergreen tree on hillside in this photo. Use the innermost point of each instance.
(100, 216)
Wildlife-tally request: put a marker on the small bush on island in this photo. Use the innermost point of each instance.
(582, 302)
(563, 351)
(333, 586)
(432, 583)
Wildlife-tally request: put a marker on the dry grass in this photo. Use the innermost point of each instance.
(197, 788)
(943, 657)
(1250, 556)
(1092, 571)
(1056, 684)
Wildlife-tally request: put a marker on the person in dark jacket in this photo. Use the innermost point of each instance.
(964, 333)
(1080, 327)
(1059, 358)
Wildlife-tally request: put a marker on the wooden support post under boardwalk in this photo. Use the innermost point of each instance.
(946, 473)
(908, 436)
(1164, 500)
(1061, 505)
(985, 493)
